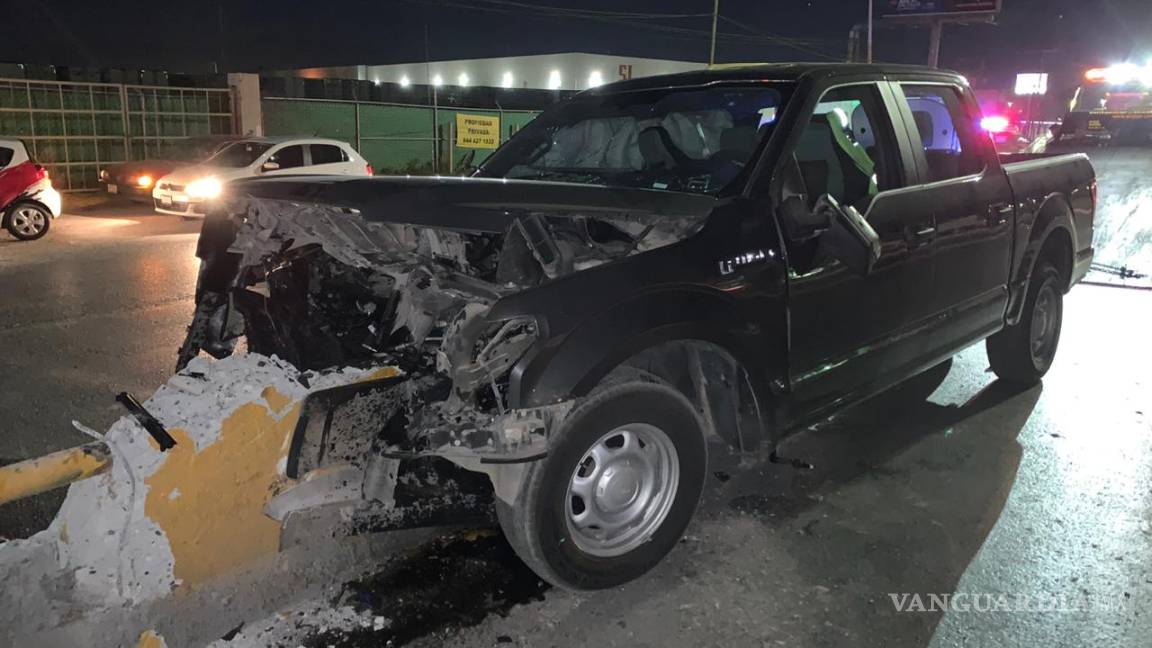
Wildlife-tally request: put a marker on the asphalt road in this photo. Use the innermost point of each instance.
(96, 307)
(975, 489)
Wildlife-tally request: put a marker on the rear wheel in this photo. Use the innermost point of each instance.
(1023, 352)
(28, 221)
(615, 493)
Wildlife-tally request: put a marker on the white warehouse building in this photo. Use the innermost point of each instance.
(568, 71)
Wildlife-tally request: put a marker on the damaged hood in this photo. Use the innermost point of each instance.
(475, 204)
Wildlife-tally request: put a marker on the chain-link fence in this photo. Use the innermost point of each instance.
(74, 129)
(394, 138)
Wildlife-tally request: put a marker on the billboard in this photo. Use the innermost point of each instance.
(1032, 83)
(948, 8)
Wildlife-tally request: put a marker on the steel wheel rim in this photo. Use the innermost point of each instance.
(1045, 315)
(622, 490)
(28, 221)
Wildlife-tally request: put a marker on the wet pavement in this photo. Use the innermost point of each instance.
(97, 306)
(1123, 236)
(952, 484)
(1034, 506)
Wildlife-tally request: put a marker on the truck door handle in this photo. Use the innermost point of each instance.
(999, 213)
(919, 235)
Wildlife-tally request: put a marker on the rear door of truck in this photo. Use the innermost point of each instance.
(972, 205)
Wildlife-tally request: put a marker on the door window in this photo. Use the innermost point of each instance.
(289, 157)
(327, 154)
(6, 156)
(946, 131)
(847, 148)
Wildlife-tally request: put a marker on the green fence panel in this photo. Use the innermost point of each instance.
(393, 138)
(312, 118)
(395, 121)
(76, 128)
(398, 157)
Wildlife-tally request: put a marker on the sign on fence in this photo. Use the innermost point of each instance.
(477, 131)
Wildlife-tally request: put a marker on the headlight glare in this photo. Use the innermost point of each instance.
(206, 188)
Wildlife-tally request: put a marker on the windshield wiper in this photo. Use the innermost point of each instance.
(562, 175)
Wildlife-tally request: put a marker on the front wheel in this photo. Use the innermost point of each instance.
(1023, 353)
(618, 488)
(28, 221)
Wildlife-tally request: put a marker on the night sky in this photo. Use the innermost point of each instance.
(187, 36)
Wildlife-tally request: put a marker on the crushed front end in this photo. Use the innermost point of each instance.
(322, 288)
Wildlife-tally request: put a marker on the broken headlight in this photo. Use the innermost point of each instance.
(493, 349)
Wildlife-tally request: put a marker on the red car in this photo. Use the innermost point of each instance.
(28, 202)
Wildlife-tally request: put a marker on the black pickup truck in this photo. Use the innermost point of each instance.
(731, 252)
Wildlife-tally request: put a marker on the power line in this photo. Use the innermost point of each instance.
(624, 19)
(576, 12)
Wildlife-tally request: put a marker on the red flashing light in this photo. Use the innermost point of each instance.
(995, 123)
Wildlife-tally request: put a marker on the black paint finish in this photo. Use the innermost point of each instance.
(813, 337)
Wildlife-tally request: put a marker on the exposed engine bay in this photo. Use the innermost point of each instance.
(322, 288)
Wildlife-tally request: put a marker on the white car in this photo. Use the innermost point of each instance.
(187, 190)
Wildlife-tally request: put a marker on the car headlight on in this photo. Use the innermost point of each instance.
(144, 181)
(206, 188)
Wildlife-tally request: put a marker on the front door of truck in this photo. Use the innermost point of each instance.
(849, 333)
(972, 203)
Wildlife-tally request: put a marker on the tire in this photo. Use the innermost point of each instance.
(628, 426)
(27, 221)
(1023, 353)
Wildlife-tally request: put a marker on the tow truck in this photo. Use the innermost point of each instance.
(1114, 104)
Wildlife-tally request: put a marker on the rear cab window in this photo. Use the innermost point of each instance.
(945, 129)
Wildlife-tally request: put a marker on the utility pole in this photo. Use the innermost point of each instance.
(870, 30)
(715, 18)
(934, 43)
(432, 90)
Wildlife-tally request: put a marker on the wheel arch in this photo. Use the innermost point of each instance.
(23, 200)
(1051, 237)
(671, 336)
(718, 385)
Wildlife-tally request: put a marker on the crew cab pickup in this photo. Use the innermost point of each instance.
(734, 252)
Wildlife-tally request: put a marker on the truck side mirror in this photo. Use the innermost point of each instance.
(849, 238)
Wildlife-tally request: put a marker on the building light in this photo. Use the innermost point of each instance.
(376, 81)
(405, 81)
(437, 80)
(462, 79)
(595, 79)
(506, 80)
(554, 80)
